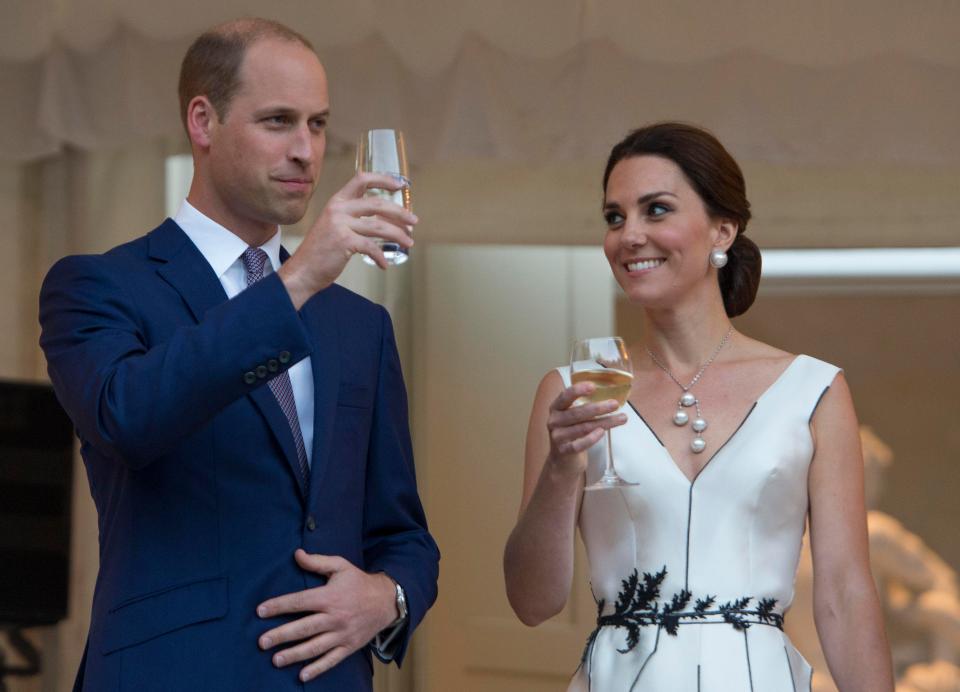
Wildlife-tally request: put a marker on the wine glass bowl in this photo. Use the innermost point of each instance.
(383, 151)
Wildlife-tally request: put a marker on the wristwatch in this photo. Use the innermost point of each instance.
(401, 606)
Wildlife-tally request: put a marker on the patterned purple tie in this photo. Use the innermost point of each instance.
(254, 260)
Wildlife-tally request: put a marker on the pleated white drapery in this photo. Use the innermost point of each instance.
(540, 80)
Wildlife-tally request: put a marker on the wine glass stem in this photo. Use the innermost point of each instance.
(609, 473)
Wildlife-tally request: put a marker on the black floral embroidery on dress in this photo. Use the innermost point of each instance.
(734, 613)
(638, 605)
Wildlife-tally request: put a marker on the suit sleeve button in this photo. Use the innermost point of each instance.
(249, 377)
(311, 523)
(273, 365)
(284, 357)
(261, 371)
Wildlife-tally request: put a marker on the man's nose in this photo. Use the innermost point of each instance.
(301, 145)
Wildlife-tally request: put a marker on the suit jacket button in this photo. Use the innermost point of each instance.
(284, 357)
(261, 371)
(249, 377)
(273, 365)
(311, 523)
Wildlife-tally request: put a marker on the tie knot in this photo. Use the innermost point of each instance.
(254, 260)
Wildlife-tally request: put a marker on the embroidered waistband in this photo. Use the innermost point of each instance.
(638, 605)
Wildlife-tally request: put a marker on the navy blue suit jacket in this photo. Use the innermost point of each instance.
(193, 468)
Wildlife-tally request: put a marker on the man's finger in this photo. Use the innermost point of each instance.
(376, 227)
(378, 206)
(324, 663)
(312, 648)
(296, 602)
(372, 250)
(296, 631)
(321, 564)
(361, 182)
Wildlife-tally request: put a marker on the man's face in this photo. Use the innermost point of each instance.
(265, 156)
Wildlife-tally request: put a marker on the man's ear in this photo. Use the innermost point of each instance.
(201, 120)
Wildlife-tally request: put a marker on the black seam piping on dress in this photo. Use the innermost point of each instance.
(732, 435)
(656, 645)
(790, 668)
(746, 645)
(819, 399)
(652, 431)
(686, 568)
(686, 571)
(590, 665)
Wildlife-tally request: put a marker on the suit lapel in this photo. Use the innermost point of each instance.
(188, 272)
(319, 316)
(185, 269)
(268, 406)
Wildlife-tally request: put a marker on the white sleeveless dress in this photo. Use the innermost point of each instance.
(692, 580)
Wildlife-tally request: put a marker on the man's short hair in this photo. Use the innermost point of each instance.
(212, 64)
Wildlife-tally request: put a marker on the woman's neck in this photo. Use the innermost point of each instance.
(683, 338)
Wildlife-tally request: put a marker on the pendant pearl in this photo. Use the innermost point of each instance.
(688, 399)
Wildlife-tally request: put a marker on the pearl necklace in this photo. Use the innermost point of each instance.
(688, 399)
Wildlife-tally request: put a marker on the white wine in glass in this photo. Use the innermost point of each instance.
(383, 151)
(605, 362)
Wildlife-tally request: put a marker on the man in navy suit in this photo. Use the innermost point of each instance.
(242, 419)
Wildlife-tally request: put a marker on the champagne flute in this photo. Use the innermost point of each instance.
(605, 362)
(383, 151)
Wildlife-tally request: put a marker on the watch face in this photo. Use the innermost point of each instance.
(401, 602)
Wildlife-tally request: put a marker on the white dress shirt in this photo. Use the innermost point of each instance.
(223, 250)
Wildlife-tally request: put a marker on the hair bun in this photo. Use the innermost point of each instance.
(740, 279)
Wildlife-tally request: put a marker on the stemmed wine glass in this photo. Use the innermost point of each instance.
(383, 151)
(605, 362)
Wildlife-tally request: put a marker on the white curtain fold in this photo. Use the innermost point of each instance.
(541, 80)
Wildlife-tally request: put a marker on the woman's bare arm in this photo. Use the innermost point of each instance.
(846, 606)
(538, 560)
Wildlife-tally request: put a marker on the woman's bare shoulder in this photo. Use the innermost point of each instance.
(758, 352)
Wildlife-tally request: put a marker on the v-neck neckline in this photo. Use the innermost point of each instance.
(753, 406)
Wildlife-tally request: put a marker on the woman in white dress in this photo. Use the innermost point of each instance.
(733, 444)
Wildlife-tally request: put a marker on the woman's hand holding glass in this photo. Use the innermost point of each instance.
(575, 427)
(604, 362)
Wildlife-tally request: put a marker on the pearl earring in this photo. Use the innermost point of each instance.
(718, 258)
